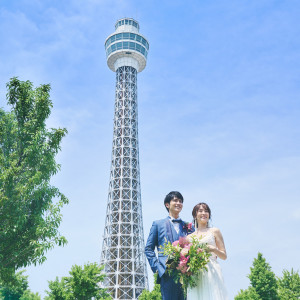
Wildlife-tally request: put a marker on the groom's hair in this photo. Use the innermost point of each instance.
(171, 196)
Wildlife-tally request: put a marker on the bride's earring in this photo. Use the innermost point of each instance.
(195, 224)
(209, 224)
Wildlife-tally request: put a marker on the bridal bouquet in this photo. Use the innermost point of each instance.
(186, 259)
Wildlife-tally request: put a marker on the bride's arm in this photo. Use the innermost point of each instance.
(220, 250)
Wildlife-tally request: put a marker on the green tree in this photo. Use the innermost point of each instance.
(28, 295)
(289, 285)
(262, 279)
(249, 294)
(29, 205)
(263, 282)
(155, 294)
(15, 288)
(82, 284)
(58, 290)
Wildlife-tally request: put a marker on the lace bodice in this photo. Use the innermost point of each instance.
(209, 239)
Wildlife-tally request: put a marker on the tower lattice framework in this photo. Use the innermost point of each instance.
(123, 240)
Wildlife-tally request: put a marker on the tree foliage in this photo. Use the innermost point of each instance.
(17, 288)
(289, 285)
(265, 286)
(155, 294)
(249, 294)
(28, 295)
(262, 279)
(263, 282)
(29, 205)
(82, 284)
(58, 289)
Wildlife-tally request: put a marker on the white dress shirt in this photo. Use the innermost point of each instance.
(175, 224)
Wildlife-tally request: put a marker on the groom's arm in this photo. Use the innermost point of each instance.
(152, 242)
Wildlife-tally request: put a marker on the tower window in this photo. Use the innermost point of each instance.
(131, 45)
(119, 45)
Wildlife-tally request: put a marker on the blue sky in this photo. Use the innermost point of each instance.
(219, 118)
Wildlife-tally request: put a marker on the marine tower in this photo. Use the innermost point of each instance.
(123, 240)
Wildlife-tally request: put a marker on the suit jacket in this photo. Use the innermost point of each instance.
(162, 231)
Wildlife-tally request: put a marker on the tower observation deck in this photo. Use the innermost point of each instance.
(123, 239)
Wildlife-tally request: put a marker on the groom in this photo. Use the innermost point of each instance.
(170, 229)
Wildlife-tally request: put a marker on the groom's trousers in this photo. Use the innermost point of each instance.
(170, 290)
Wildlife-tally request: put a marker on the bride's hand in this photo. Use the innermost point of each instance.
(211, 248)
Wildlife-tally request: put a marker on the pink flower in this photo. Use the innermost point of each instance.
(188, 246)
(175, 243)
(182, 266)
(183, 241)
(183, 260)
(188, 226)
(182, 269)
(199, 250)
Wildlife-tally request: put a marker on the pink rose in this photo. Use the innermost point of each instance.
(182, 269)
(188, 226)
(183, 241)
(188, 246)
(175, 243)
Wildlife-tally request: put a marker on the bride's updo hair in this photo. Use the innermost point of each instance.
(195, 210)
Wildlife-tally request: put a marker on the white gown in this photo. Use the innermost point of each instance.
(211, 285)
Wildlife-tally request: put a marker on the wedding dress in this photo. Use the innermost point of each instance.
(211, 285)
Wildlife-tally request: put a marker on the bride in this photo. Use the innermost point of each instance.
(211, 284)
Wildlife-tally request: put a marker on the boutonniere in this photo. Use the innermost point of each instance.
(188, 227)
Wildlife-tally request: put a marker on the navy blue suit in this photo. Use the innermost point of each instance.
(160, 232)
